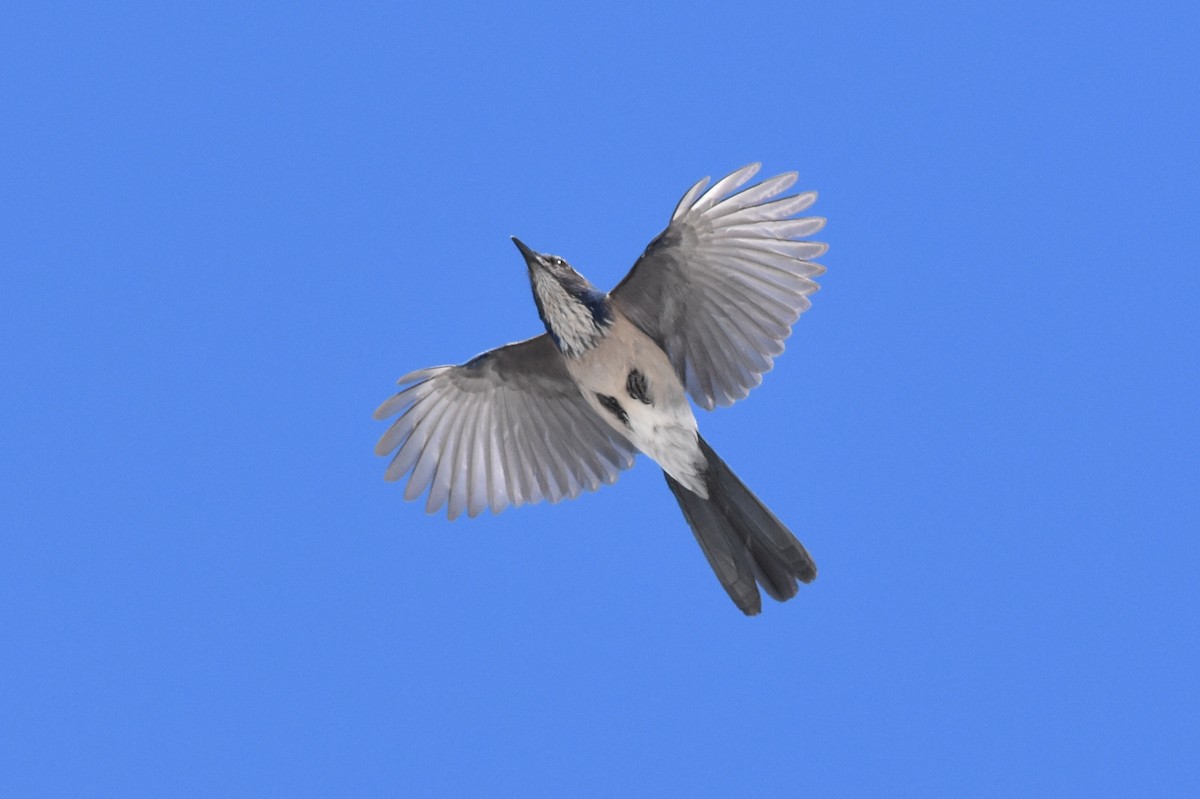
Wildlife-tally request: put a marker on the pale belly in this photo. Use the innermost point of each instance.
(629, 382)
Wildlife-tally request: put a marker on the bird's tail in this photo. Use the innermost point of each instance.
(743, 541)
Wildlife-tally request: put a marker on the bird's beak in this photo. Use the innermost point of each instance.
(531, 257)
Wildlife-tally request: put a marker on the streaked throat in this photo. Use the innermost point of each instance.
(577, 323)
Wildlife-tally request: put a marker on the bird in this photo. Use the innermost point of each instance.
(702, 314)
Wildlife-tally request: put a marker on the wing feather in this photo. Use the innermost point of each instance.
(518, 458)
(758, 198)
(722, 187)
(757, 329)
(458, 466)
(426, 465)
(689, 198)
(448, 442)
(774, 209)
(493, 468)
(475, 490)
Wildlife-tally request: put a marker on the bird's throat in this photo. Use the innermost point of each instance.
(576, 323)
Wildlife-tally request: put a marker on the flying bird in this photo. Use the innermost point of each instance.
(702, 313)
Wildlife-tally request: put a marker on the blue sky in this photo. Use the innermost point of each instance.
(227, 229)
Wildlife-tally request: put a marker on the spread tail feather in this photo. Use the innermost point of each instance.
(744, 543)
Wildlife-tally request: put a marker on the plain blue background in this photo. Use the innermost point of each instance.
(228, 228)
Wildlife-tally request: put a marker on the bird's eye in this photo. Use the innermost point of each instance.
(559, 262)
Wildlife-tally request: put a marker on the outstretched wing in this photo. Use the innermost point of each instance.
(505, 428)
(721, 287)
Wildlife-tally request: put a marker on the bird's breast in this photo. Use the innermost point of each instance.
(628, 380)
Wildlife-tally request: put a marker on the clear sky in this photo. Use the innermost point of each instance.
(227, 228)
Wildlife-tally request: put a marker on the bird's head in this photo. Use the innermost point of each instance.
(575, 313)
